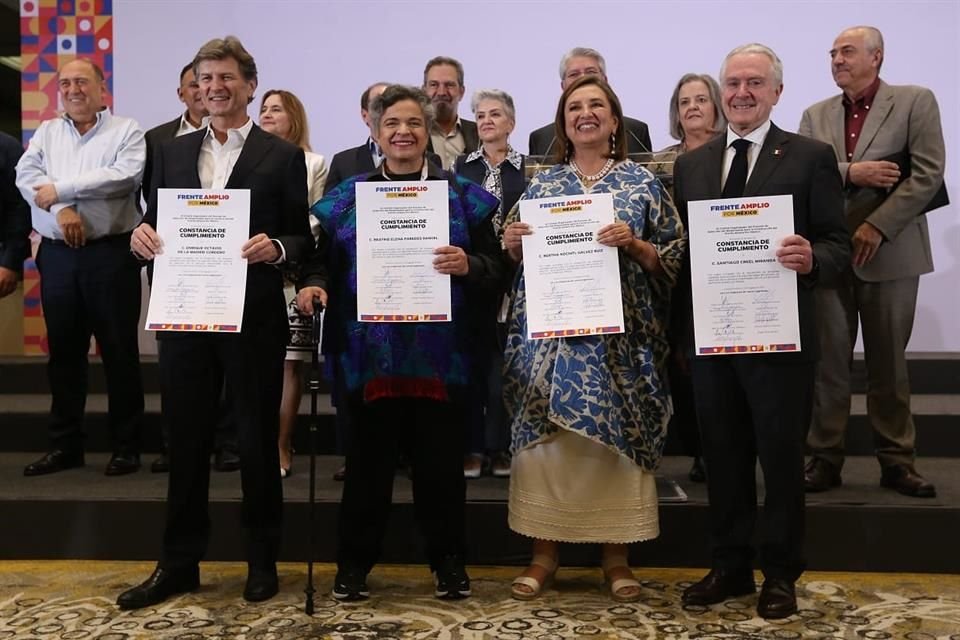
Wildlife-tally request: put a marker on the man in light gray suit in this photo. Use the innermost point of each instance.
(889, 146)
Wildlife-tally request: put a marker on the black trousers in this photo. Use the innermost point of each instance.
(432, 432)
(93, 290)
(225, 431)
(193, 368)
(683, 422)
(755, 407)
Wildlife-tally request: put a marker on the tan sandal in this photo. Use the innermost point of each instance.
(617, 586)
(548, 564)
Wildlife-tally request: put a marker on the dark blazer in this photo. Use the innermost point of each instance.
(346, 164)
(15, 221)
(513, 180)
(471, 138)
(275, 172)
(355, 161)
(544, 139)
(154, 138)
(788, 164)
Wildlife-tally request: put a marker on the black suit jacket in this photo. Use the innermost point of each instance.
(471, 138)
(15, 223)
(788, 164)
(356, 161)
(346, 164)
(543, 140)
(154, 138)
(275, 172)
(513, 180)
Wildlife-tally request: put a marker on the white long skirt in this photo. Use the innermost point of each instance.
(572, 489)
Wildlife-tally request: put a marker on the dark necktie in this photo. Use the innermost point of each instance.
(737, 178)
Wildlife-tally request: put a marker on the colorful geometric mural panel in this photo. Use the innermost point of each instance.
(52, 33)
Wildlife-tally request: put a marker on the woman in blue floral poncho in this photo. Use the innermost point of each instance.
(589, 414)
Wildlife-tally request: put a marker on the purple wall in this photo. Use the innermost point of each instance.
(328, 52)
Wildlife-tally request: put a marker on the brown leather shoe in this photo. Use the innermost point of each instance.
(820, 475)
(718, 585)
(778, 599)
(905, 479)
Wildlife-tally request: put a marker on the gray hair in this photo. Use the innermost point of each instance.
(397, 93)
(762, 49)
(719, 122)
(494, 94)
(872, 40)
(582, 52)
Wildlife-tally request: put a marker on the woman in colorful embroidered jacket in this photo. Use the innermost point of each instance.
(590, 413)
(406, 382)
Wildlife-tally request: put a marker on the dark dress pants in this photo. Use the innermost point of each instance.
(755, 407)
(432, 431)
(92, 290)
(225, 432)
(193, 368)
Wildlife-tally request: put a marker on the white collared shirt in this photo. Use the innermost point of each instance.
(187, 127)
(756, 137)
(97, 173)
(216, 161)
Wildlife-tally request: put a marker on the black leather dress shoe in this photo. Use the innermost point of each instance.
(262, 584)
(161, 464)
(905, 479)
(122, 463)
(778, 599)
(698, 473)
(718, 585)
(56, 460)
(226, 460)
(161, 584)
(820, 475)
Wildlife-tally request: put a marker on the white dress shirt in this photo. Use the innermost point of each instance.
(216, 161)
(96, 173)
(756, 138)
(187, 127)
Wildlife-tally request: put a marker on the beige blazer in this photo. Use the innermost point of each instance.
(903, 120)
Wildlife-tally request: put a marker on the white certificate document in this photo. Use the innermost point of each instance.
(572, 281)
(200, 280)
(744, 301)
(399, 225)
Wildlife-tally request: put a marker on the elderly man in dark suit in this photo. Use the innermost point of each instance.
(14, 218)
(757, 406)
(232, 153)
(889, 145)
(582, 61)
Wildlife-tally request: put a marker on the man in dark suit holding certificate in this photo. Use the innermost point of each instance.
(889, 145)
(230, 153)
(757, 406)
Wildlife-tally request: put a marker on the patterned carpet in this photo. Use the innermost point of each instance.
(75, 600)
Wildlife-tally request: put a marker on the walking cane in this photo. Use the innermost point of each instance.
(314, 386)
